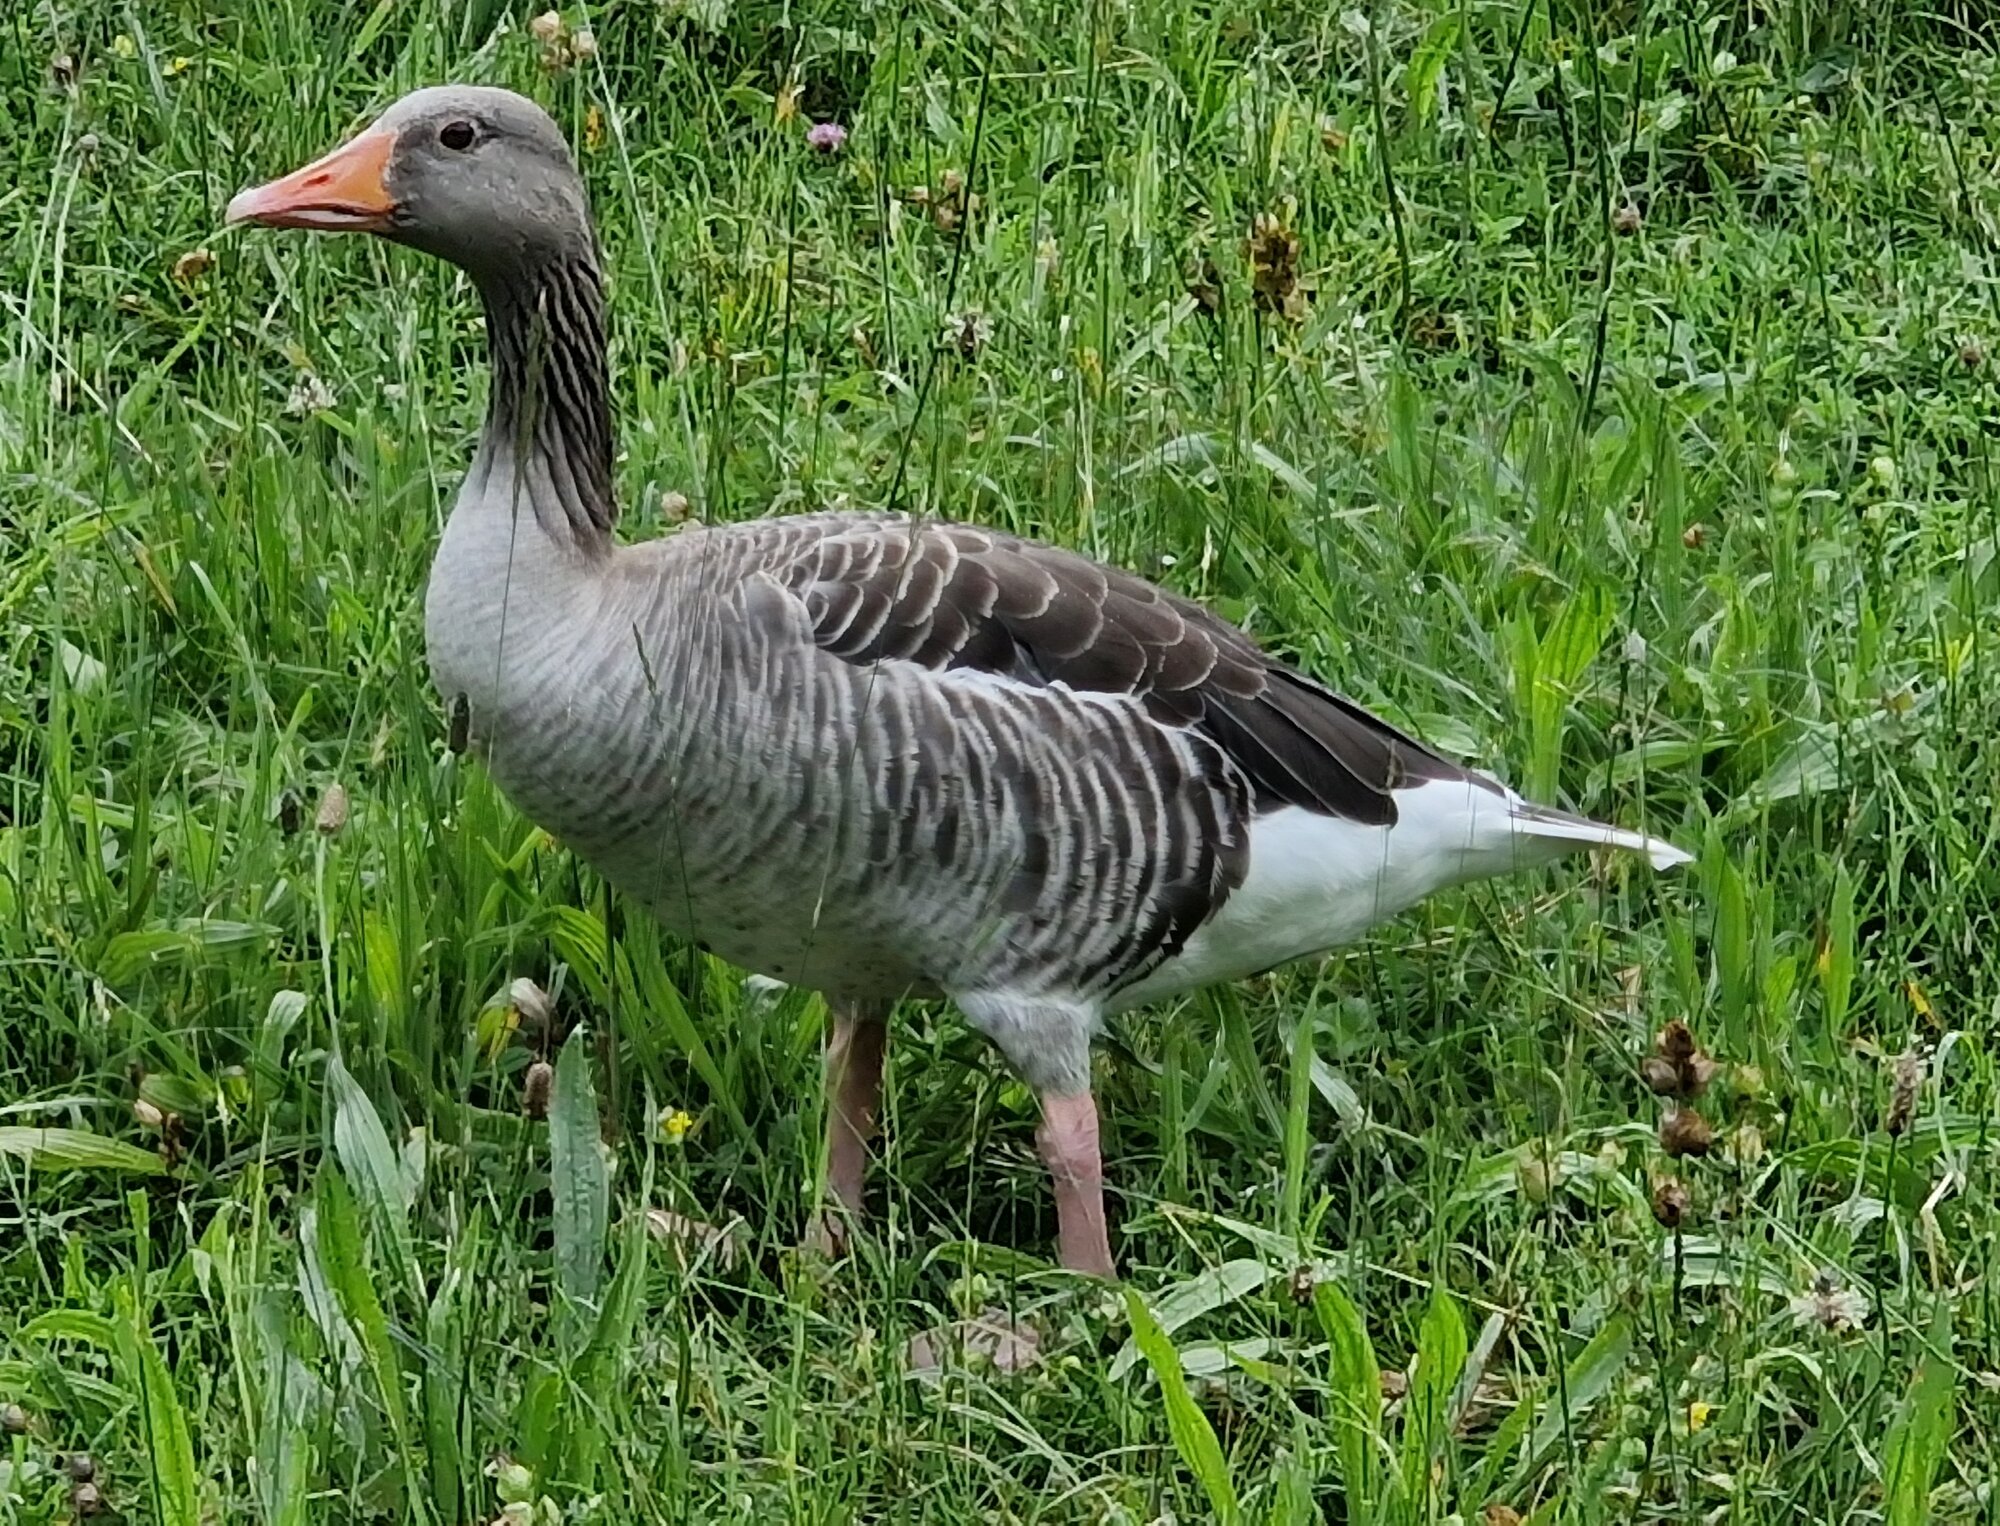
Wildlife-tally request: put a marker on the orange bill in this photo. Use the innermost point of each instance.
(348, 189)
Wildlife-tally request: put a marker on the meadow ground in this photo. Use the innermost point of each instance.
(1604, 391)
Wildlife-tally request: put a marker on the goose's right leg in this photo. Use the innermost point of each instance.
(1046, 1038)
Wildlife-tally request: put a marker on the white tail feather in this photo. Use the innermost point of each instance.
(1537, 821)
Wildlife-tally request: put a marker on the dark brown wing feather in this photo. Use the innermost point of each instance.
(954, 596)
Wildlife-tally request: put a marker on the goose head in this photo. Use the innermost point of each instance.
(477, 176)
(484, 179)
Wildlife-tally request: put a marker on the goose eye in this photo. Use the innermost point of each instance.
(456, 135)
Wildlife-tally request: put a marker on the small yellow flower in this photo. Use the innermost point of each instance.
(123, 46)
(675, 1124)
(1698, 1413)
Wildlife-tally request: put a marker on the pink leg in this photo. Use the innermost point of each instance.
(854, 1097)
(1068, 1140)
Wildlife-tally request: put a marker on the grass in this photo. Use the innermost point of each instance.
(1608, 394)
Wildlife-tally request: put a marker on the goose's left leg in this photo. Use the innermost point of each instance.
(855, 1044)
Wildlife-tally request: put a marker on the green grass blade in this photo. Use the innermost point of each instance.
(1441, 1350)
(1354, 1381)
(579, 1174)
(343, 1253)
(1193, 1436)
(169, 1450)
(77, 1150)
(1592, 1375)
(369, 1162)
(1921, 1434)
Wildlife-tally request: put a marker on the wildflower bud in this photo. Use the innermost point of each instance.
(87, 1499)
(531, 1004)
(1304, 1280)
(332, 816)
(192, 266)
(547, 27)
(536, 1089)
(515, 1483)
(1535, 1176)
(1661, 1076)
(1971, 355)
(1672, 1203)
(1909, 1080)
(148, 1116)
(825, 137)
(1695, 536)
(13, 1420)
(1685, 1132)
(1882, 471)
(81, 1467)
(1830, 1304)
(1626, 220)
(583, 46)
(1745, 1145)
(1499, 1515)
(1784, 474)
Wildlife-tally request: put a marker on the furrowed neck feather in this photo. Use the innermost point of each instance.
(548, 422)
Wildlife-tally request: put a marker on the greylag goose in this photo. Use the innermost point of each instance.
(873, 755)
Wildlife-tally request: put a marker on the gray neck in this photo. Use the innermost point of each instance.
(548, 423)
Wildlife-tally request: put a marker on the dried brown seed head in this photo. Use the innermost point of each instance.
(1672, 1202)
(536, 1089)
(1696, 1074)
(147, 1115)
(13, 1420)
(1499, 1515)
(81, 1467)
(87, 1499)
(1695, 536)
(1627, 219)
(1903, 1092)
(332, 816)
(1684, 1132)
(1272, 252)
(1971, 354)
(1662, 1077)
(1676, 1042)
(1304, 1280)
